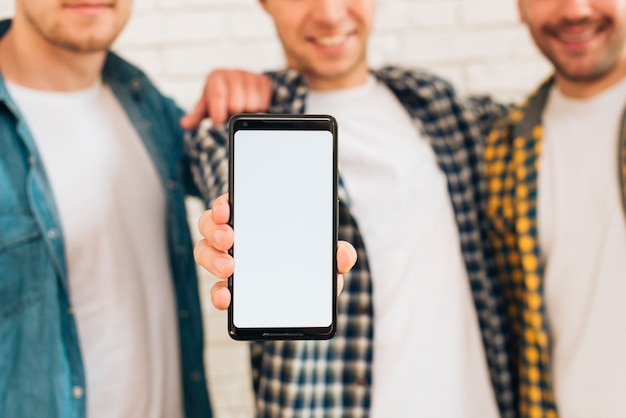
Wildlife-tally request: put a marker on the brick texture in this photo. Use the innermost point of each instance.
(478, 44)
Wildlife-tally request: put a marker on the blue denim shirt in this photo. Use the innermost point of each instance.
(41, 368)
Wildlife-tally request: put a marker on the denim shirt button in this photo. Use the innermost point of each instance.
(70, 310)
(180, 250)
(53, 233)
(136, 83)
(77, 392)
(184, 314)
(146, 125)
(32, 160)
(196, 376)
(172, 185)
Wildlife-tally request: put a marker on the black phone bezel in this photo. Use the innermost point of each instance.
(282, 122)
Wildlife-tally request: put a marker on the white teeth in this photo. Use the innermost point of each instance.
(578, 37)
(331, 40)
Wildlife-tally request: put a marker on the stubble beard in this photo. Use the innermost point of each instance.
(606, 61)
(58, 36)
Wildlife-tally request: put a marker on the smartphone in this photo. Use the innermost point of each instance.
(283, 202)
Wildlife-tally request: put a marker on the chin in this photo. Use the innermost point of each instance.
(583, 72)
(86, 46)
(336, 70)
(86, 42)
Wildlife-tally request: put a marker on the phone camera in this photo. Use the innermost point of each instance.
(245, 124)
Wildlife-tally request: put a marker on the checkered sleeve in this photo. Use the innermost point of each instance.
(207, 148)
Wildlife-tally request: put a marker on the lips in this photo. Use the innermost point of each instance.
(576, 37)
(89, 6)
(333, 40)
(86, 3)
(89, 9)
(578, 32)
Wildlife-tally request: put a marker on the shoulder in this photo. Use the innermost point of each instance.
(129, 80)
(289, 91)
(420, 82)
(118, 71)
(520, 119)
(432, 96)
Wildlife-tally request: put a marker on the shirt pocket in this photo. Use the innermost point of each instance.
(21, 263)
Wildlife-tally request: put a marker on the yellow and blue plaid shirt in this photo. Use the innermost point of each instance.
(513, 154)
(333, 378)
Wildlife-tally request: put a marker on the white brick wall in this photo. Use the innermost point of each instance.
(477, 44)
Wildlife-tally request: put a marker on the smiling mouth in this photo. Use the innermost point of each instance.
(577, 37)
(331, 40)
(89, 5)
(579, 33)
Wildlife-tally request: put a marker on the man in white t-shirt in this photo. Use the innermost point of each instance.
(409, 341)
(557, 182)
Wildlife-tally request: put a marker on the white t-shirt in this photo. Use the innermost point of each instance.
(112, 208)
(582, 235)
(428, 352)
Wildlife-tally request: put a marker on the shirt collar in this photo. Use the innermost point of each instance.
(4, 93)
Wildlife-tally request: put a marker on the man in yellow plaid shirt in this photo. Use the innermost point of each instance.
(556, 168)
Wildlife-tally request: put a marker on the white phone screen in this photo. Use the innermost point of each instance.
(283, 225)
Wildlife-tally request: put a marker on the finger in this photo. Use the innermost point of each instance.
(221, 210)
(220, 295)
(346, 257)
(219, 214)
(206, 224)
(213, 225)
(340, 283)
(218, 263)
(265, 93)
(236, 92)
(216, 99)
(192, 120)
(252, 93)
(218, 236)
(222, 239)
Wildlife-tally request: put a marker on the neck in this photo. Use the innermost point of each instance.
(587, 89)
(29, 60)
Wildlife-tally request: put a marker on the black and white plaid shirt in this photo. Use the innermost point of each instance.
(333, 378)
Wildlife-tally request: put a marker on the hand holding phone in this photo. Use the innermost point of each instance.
(212, 251)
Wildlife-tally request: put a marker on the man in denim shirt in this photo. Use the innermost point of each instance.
(92, 171)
